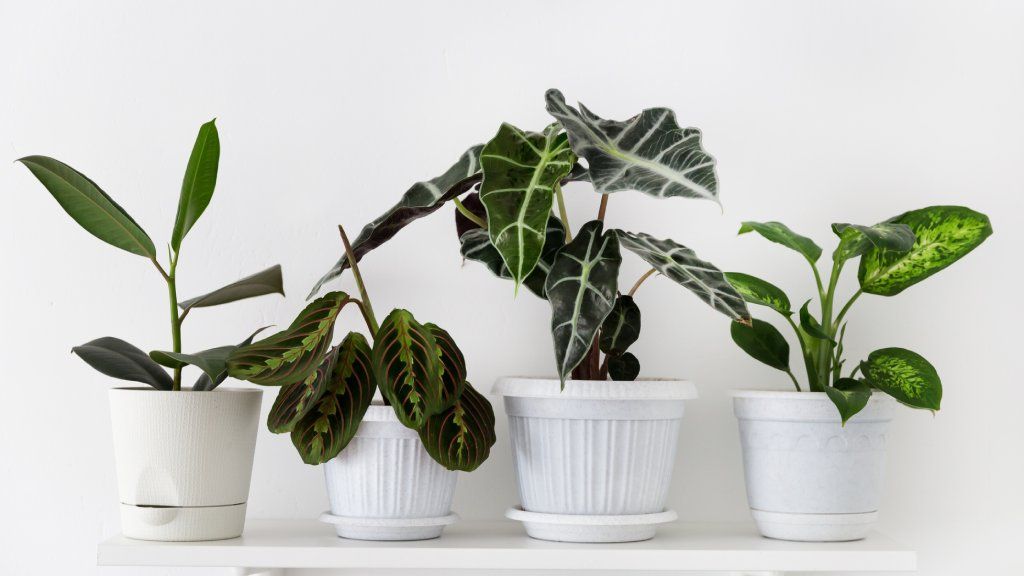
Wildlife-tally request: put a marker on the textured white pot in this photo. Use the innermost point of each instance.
(384, 485)
(808, 477)
(596, 448)
(184, 461)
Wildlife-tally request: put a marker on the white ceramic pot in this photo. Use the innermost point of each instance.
(808, 477)
(600, 449)
(384, 485)
(184, 461)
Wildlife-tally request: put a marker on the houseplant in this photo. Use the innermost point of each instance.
(390, 466)
(814, 459)
(593, 457)
(174, 482)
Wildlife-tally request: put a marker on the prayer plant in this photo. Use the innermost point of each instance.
(894, 255)
(97, 212)
(511, 217)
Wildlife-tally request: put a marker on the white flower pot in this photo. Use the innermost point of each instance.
(384, 485)
(184, 461)
(808, 477)
(600, 449)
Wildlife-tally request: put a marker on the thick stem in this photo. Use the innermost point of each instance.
(563, 213)
(367, 307)
(825, 346)
(469, 214)
(636, 286)
(172, 292)
(603, 208)
(793, 378)
(804, 353)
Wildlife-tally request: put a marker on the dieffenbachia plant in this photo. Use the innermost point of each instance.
(325, 391)
(97, 212)
(511, 217)
(894, 255)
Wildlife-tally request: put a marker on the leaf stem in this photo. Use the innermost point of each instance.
(469, 214)
(603, 208)
(846, 307)
(172, 292)
(640, 280)
(793, 378)
(562, 213)
(365, 305)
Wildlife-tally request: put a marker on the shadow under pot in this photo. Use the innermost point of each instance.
(385, 486)
(809, 478)
(593, 462)
(184, 461)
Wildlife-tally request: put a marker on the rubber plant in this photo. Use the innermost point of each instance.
(99, 215)
(325, 390)
(511, 217)
(894, 255)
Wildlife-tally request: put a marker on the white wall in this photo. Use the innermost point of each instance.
(817, 112)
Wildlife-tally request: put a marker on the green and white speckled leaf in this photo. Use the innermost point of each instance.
(649, 152)
(855, 240)
(460, 438)
(757, 291)
(781, 234)
(904, 375)
(408, 366)
(850, 396)
(476, 245)
(521, 170)
(944, 234)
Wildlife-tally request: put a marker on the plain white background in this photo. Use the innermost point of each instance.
(816, 111)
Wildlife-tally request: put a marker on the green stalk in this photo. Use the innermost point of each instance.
(793, 378)
(469, 213)
(562, 213)
(846, 308)
(824, 346)
(172, 292)
(367, 307)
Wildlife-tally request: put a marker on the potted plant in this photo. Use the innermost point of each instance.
(593, 457)
(184, 456)
(390, 465)
(815, 459)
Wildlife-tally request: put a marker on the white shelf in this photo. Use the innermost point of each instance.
(502, 545)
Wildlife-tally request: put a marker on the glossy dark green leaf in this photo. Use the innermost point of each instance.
(213, 361)
(460, 438)
(943, 235)
(648, 152)
(850, 396)
(781, 234)
(855, 240)
(268, 281)
(119, 359)
(206, 383)
(763, 342)
(453, 365)
(199, 182)
(904, 375)
(83, 200)
(476, 245)
(422, 199)
(622, 326)
(811, 326)
(624, 368)
(681, 265)
(581, 288)
(408, 368)
(757, 291)
(297, 399)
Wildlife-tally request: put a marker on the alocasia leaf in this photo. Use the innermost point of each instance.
(119, 359)
(460, 438)
(407, 362)
(83, 200)
(757, 291)
(648, 152)
(621, 328)
(581, 289)
(268, 281)
(944, 234)
(763, 342)
(781, 234)
(422, 199)
(624, 367)
(199, 182)
(849, 395)
(453, 365)
(680, 264)
(855, 240)
(904, 375)
(476, 245)
(520, 173)
(297, 399)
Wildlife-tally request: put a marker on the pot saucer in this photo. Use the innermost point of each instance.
(388, 528)
(587, 528)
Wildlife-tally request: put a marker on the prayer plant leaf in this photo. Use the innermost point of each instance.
(649, 152)
(460, 438)
(781, 234)
(581, 288)
(420, 200)
(855, 240)
(757, 291)
(409, 368)
(118, 359)
(476, 245)
(297, 399)
(681, 265)
(621, 328)
(763, 342)
(453, 365)
(943, 235)
(625, 367)
(904, 375)
(849, 395)
(520, 173)
(268, 281)
(199, 182)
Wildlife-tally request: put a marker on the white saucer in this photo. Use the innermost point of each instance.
(581, 528)
(389, 528)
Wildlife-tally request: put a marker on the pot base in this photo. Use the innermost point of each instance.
(814, 527)
(593, 529)
(388, 529)
(189, 524)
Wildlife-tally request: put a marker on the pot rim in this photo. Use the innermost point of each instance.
(225, 389)
(641, 389)
(794, 395)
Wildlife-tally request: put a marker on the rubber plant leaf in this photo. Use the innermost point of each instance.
(943, 235)
(199, 182)
(453, 365)
(422, 199)
(781, 234)
(581, 288)
(297, 399)
(520, 173)
(265, 282)
(332, 423)
(621, 328)
(757, 291)
(850, 397)
(119, 359)
(763, 342)
(408, 366)
(904, 375)
(460, 438)
(855, 240)
(625, 367)
(476, 245)
(205, 383)
(292, 354)
(649, 152)
(681, 265)
(83, 200)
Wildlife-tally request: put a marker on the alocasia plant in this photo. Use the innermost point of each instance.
(516, 224)
(97, 212)
(894, 255)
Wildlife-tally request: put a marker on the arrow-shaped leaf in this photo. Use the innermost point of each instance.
(460, 438)
(408, 367)
(268, 281)
(621, 328)
(199, 182)
(119, 359)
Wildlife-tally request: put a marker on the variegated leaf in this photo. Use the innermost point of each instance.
(680, 264)
(453, 365)
(757, 291)
(904, 375)
(460, 438)
(295, 400)
(648, 152)
(622, 326)
(855, 240)
(408, 367)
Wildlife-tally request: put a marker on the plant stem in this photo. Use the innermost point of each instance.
(562, 213)
(367, 307)
(793, 378)
(172, 292)
(469, 214)
(640, 281)
(603, 208)
(824, 346)
(846, 308)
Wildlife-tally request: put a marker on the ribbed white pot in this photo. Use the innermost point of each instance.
(184, 461)
(808, 477)
(596, 448)
(384, 485)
